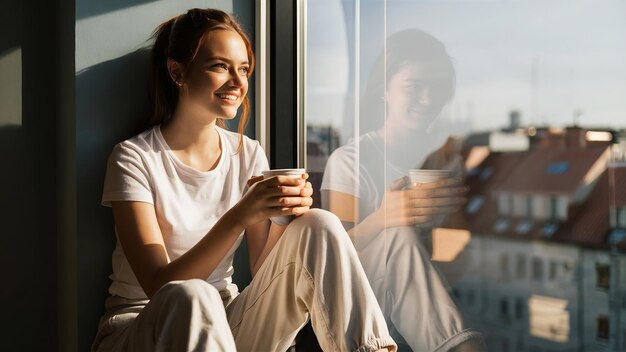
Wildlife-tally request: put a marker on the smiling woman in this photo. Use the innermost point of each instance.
(186, 192)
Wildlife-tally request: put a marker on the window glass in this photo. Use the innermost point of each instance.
(518, 106)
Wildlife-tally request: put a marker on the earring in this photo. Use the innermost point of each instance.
(179, 84)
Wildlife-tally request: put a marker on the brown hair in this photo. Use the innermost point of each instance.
(180, 38)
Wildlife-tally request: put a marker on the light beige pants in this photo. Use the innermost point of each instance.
(313, 272)
(413, 296)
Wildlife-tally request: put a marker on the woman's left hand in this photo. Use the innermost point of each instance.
(306, 193)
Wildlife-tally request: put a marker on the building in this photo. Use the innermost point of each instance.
(545, 268)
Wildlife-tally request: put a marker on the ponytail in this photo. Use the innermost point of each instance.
(163, 93)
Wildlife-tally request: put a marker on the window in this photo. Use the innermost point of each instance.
(550, 228)
(521, 266)
(519, 308)
(523, 227)
(602, 327)
(617, 236)
(529, 207)
(474, 205)
(537, 269)
(505, 206)
(557, 168)
(553, 270)
(501, 225)
(554, 211)
(504, 308)
(618, 217)
(504, 266)
(603, 275)
(536, 71)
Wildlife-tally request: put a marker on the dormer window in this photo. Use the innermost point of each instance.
(474, 205)
(523, 227)
(557, 168)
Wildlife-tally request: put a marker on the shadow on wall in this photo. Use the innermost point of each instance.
(111, 101)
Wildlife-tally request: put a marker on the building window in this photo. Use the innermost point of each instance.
(521, 266)
(474, 204)
(504, 309)
(553, 270)
(554, 210)
(537, 269)
(602, 322)
(523, 227)
(501, 225)
(529, 207)
(557, 168)
(505, 205)
(504, 267)
(618, 217)
(519, 308)
(550, 228)
(603, 275)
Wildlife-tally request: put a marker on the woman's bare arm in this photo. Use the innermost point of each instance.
(142, 241)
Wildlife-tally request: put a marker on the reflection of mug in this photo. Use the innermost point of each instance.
(420, 176)
(425, 176)
(291, 173)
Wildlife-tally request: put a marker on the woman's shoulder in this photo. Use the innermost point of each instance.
(143, 143)
(231, 138)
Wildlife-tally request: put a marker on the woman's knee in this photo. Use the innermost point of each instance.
(318, 218)
(190, 291)
(320, 226)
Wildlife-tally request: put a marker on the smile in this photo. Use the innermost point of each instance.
(227, 96)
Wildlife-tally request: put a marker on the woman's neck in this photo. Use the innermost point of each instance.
(188, 129)
(193, 139)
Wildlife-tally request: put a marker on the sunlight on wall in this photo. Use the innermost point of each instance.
(448, 243)
(130, 27)
(11, 88)
(549, 318)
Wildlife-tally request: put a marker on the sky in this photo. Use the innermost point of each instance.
(555, 61)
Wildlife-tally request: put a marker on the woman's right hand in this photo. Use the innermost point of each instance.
(275, 196)
(406, 204)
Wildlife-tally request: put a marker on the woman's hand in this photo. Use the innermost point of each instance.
(406, 204)
(275, 196)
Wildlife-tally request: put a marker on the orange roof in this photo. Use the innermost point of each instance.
(552, 170)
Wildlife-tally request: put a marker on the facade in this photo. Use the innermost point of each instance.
(545, 267)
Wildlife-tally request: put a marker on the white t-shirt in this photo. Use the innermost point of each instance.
(187, 202)
(361, 170)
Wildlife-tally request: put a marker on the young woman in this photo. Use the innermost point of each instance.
(389, 220)
(184, 193)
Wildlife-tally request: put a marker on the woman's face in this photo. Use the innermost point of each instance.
(416, 93)
(217, 79)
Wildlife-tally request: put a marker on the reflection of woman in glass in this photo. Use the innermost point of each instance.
(390, 220)
(183, 194)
